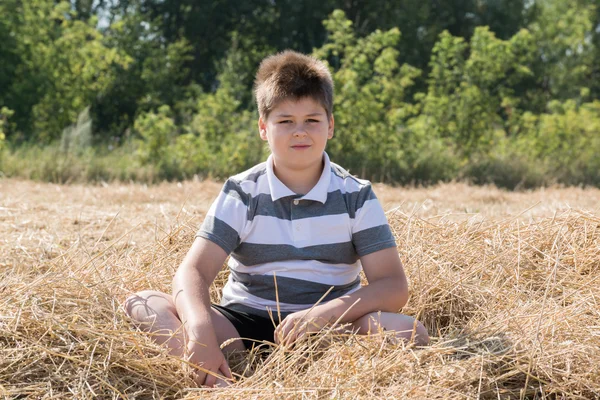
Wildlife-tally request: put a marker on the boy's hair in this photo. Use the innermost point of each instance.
(292, 75)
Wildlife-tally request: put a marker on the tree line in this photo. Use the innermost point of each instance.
(493, 91)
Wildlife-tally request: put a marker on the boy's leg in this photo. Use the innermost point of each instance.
(155, 312)
(403, 325)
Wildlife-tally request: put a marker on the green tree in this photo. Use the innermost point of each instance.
(565, 140)
(156, 130)
(155, 76)
(8, 53)
(563, 33)
(471, 85)
(371, 101)
(64, 66)
(5, 114)
(222, 138)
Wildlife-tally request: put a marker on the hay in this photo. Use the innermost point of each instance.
(506, 283)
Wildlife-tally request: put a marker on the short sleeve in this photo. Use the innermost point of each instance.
(370, 229)
(226, 217)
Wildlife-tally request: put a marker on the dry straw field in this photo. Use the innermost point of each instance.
(508, 285)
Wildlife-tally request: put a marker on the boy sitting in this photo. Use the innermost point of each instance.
(296, 227)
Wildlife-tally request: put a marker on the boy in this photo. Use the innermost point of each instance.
(295, 226)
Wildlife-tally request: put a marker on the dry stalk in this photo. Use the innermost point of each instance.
(510, 299)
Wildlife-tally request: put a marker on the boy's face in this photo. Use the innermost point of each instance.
(297, 132)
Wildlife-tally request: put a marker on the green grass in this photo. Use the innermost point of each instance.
(51, 164)
(98, 164)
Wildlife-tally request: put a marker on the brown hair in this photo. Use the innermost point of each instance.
(292, 75)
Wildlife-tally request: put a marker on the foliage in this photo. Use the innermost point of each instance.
(562, 32)
(371, 103)
(154, 77)
(50, 163)
(63, 65)
(567, 139)
(5, 114)
(155, 130)
(469, 85)
(221, 138)
(502, 91)
(220, 142)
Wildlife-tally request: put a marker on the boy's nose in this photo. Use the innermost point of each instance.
(301, 131)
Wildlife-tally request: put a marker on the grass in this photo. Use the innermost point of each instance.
(507, 284)
(91, 165)
(98, 164)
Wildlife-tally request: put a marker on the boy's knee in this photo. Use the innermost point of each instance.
(136, 306)
(407, 328)
(421, 335)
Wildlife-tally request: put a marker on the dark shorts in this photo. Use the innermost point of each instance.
(253, 329)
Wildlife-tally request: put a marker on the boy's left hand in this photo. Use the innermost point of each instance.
(297, 325)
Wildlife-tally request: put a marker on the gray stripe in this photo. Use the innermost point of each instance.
(254, 311)
(355, 200)
(253, 177)
(290, 290)
(336, 203)
(341, 172)
(220, 233)
(335, 253)
(262, 204)
(373, 239)
(234, 189)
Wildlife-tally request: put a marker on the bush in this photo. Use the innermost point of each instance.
(51, 164)
(566, 141)
(476, 119)
(5, 114)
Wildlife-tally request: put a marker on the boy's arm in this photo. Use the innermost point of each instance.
(387, 291)
(192, 300)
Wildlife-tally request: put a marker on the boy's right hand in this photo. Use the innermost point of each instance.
(208, 358)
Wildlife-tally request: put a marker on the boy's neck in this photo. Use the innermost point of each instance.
(300, 181)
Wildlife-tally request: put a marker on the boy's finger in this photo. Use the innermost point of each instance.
(279, 333)
(301, 337)
(222, 383)
(199, 377)
(292, 335)
(225, 370)
(210, 380)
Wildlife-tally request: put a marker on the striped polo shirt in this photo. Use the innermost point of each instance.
(303, 244)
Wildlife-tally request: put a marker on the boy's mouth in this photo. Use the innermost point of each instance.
(300, 146)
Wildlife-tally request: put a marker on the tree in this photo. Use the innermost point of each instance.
(563, 34)
(371, 101)
(470, 84)
(155, 75)
(63, 66)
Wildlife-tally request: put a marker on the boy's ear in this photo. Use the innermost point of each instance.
(262, 128)
(330, 129)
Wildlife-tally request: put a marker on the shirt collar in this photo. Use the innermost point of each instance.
(317, 193)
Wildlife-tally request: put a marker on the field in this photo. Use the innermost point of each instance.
(508, 285)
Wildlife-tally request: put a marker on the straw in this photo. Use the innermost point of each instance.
(506, 283)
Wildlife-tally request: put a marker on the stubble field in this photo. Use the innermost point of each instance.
(508, 285)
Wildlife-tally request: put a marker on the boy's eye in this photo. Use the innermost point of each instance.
(287, 121)
(313, 120)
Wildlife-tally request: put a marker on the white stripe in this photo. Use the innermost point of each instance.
(233, 292)
(376, 216)
(348, 185)
(328, 229)
(261, 186)
(313, 271)
(236, 215)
